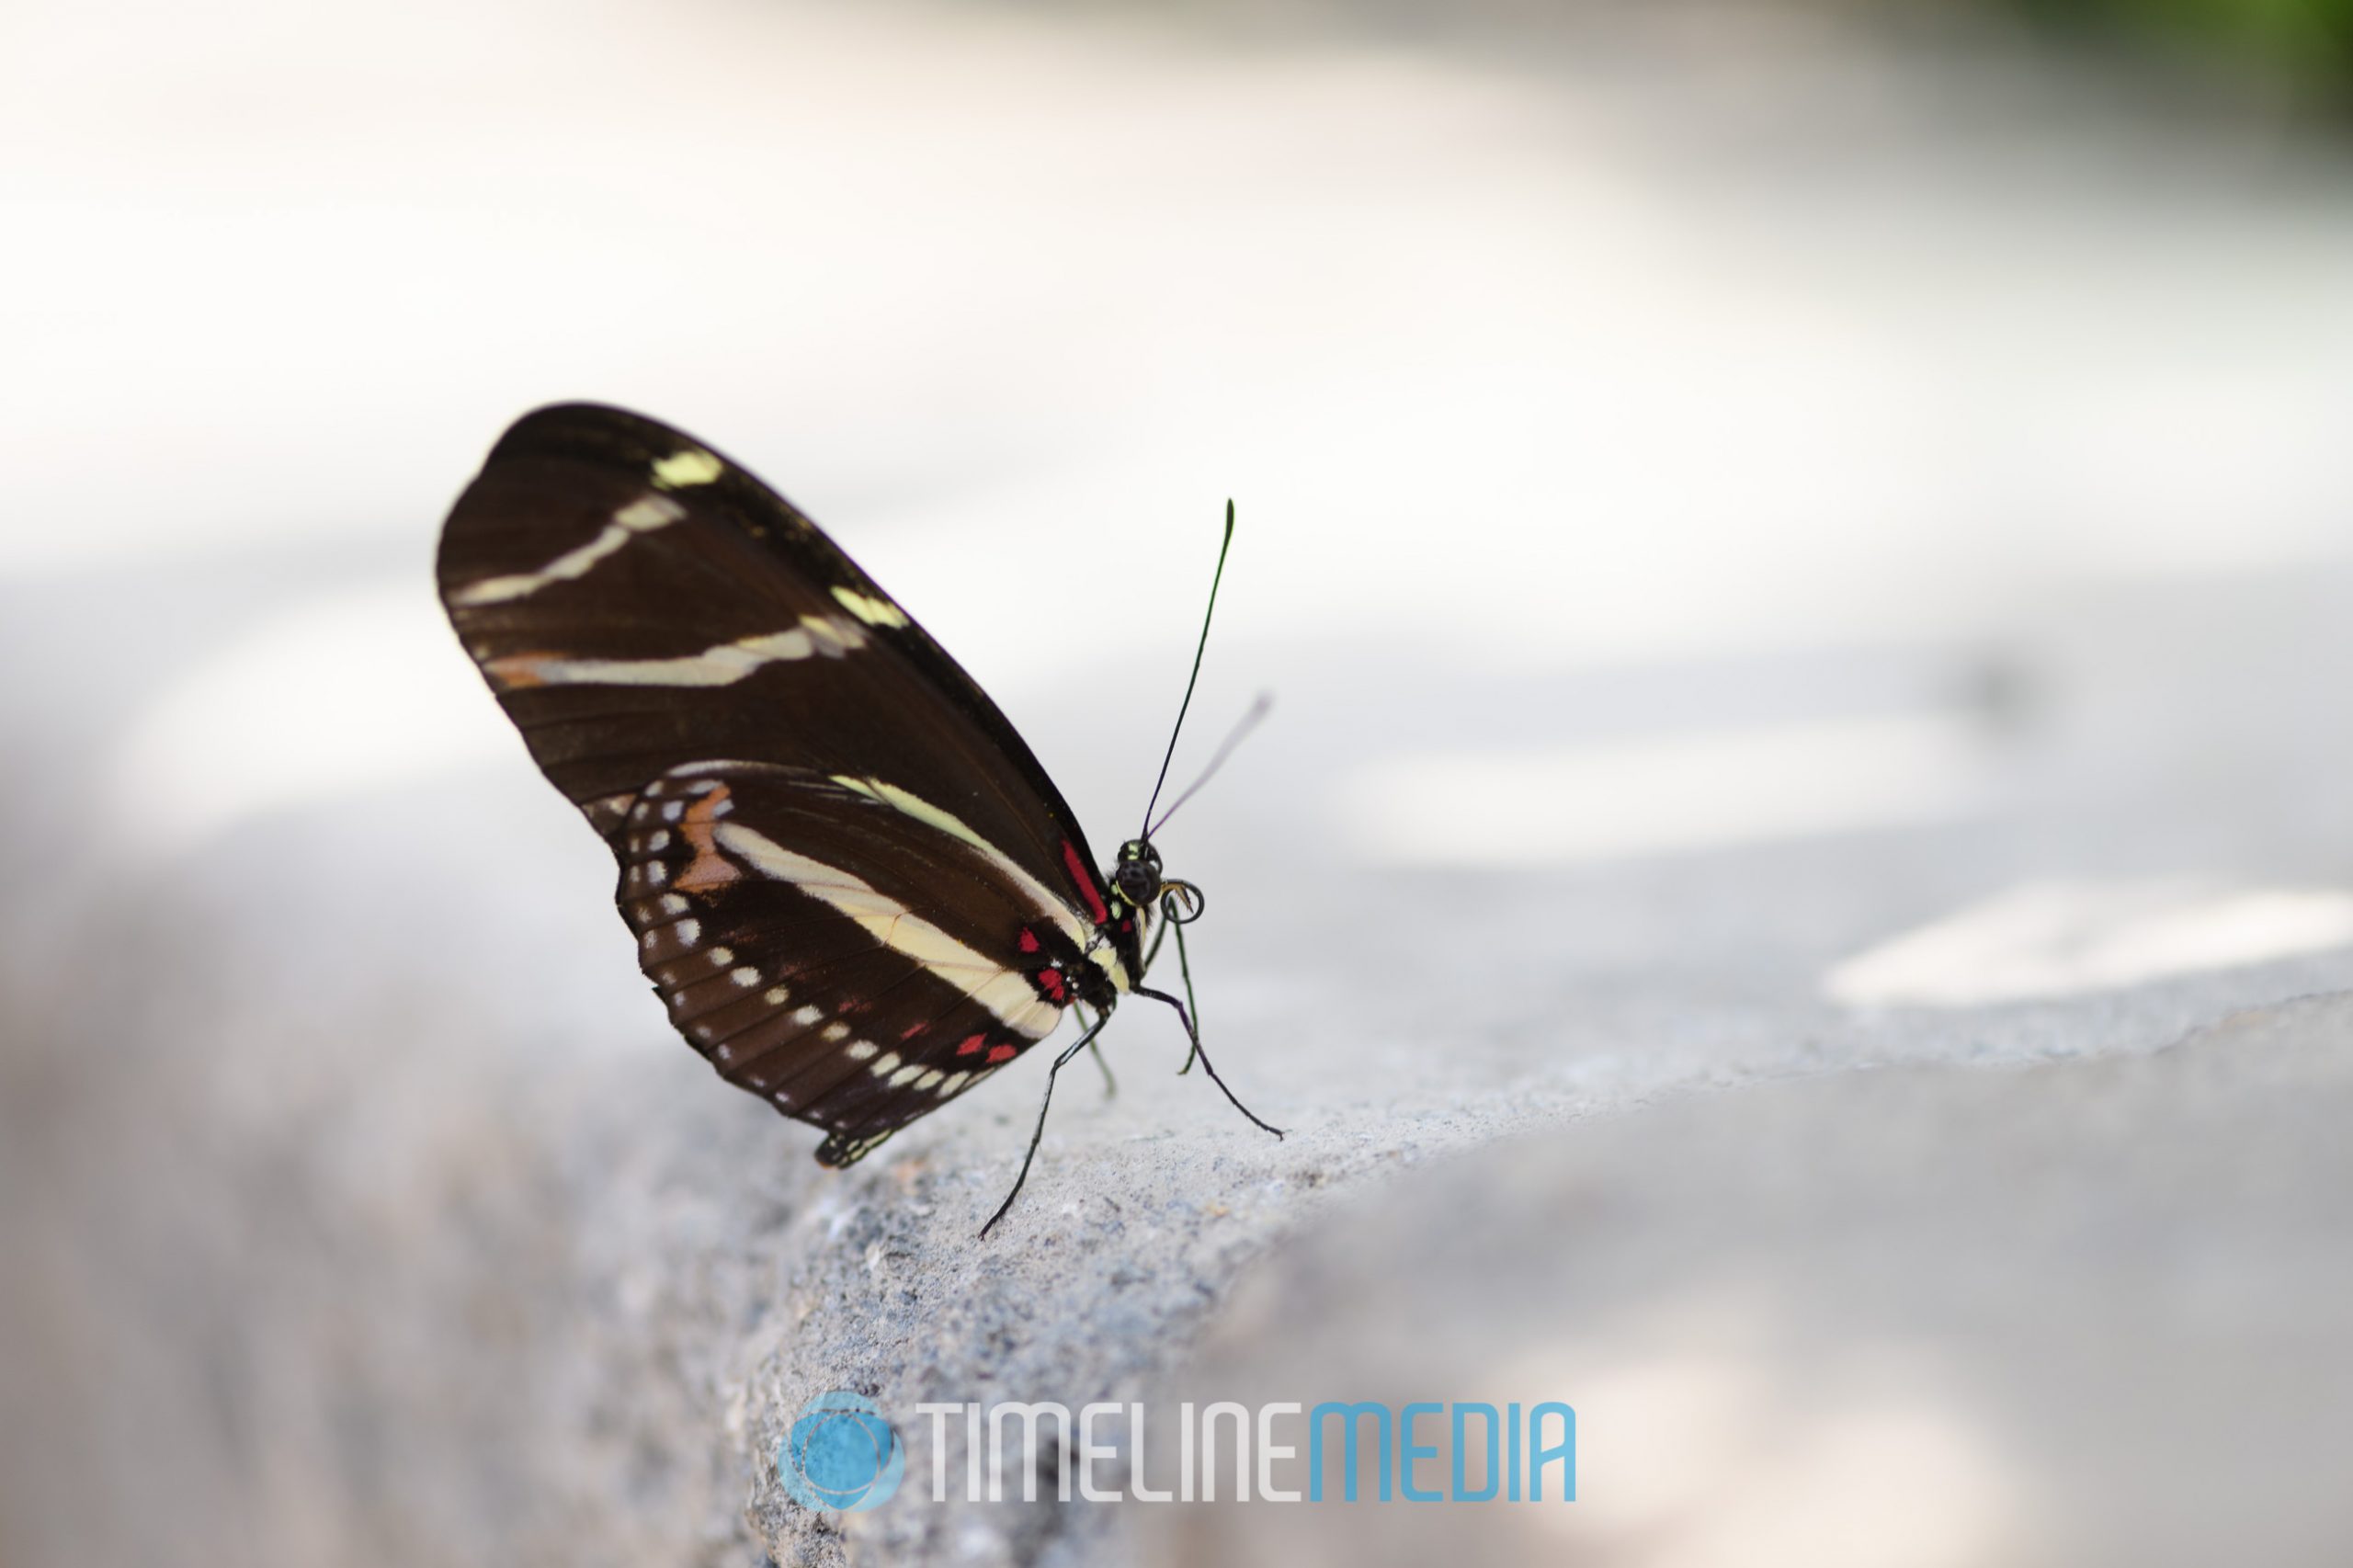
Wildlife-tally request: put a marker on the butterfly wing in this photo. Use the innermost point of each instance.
(850, 879)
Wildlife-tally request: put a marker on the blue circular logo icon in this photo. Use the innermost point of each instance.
(840, 1455)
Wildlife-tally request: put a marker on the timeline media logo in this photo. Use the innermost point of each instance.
(841, 1455)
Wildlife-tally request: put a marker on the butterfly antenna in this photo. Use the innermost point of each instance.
(1233, 738)
(1199, 649)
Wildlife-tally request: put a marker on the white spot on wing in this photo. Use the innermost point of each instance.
(871, 608)
(691, 467)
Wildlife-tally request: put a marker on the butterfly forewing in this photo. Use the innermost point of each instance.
(851, 880)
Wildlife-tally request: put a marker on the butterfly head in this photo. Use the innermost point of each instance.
(1137, 876)
(1136, 881)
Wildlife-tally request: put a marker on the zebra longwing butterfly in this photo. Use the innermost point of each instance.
(850, 881)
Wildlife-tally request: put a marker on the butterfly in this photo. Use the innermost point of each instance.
(849, 881)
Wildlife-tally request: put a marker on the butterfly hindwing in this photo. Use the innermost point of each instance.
(852, 883)
(853, 961)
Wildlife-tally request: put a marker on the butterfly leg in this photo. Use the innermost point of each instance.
(1181, 897)
(1081, 1043)
(1185, 968)
(1207, 1065)
(1110, 1084)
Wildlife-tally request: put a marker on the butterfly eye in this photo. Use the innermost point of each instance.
(1139, 881)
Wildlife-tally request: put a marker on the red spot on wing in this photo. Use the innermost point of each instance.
(972, 1044)
(911, 1030)
(1052, 980)
(1001, 1053)
(1085, 880)
(1029, 940)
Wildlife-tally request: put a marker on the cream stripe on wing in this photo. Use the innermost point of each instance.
(979, 978)
(1040, 895)
(642, 515)
(1082, 935)
(723, 665)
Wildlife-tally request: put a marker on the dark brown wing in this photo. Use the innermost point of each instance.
(674, 638)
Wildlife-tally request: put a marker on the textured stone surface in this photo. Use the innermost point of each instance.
(2079, 1313)
(366, 1212)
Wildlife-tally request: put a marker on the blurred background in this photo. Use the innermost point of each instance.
(1786, 537)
